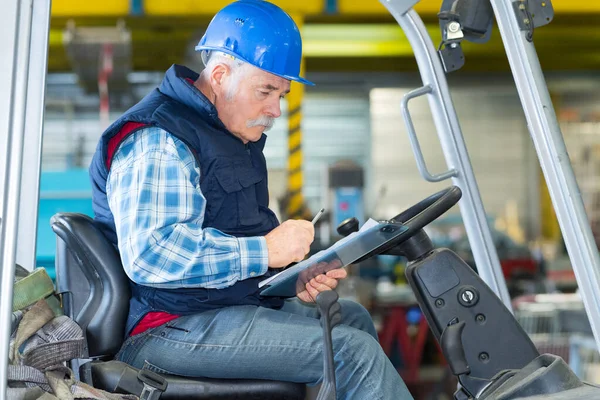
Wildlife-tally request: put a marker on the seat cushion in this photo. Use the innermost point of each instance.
(118, 377)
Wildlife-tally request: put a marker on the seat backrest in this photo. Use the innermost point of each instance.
(91, 278)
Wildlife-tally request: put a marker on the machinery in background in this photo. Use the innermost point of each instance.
(346, 183)
(60, 191)
(521, 269)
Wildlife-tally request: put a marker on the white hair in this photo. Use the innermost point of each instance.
(237, 68)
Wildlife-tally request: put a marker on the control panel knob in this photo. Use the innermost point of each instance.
(348, 226)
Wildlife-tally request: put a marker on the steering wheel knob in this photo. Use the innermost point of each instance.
(348, 226)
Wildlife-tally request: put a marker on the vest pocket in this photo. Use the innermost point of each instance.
(236, 205)
(247, 197)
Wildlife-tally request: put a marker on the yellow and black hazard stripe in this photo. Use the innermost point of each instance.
(295, 177)
(296, 207)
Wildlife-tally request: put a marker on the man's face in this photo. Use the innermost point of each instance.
(254, 106)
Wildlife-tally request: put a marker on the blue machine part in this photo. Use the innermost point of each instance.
(413, 316)
(347, 203)
(60, 191)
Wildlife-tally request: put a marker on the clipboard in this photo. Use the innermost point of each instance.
(370, 237)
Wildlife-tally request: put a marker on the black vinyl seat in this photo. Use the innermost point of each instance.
(95, 291)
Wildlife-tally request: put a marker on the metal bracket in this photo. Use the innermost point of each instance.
(450, 51)
(453, 32)
(533, 13)
(452, 57)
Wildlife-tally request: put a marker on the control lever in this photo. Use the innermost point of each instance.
(348, 226)
(330, 311)
(453, 349)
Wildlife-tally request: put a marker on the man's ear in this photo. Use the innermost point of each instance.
(217, 77)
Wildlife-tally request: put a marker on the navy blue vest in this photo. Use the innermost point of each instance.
(233, 181)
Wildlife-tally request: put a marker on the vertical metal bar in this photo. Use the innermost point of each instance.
(15, 42)
(453, 146)
(32, 158)
(554, 159)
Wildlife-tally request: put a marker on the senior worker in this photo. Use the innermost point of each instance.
(180, 186)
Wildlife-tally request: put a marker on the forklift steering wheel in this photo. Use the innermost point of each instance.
(418, 216)
(428, 210)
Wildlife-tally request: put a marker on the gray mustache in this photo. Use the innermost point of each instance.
(264, 120)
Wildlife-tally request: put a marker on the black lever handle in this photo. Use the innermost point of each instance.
(330, 310)
(453, 349)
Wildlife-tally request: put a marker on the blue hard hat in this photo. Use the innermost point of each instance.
(259, 33)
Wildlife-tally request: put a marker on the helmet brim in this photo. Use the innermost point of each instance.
(231, 53)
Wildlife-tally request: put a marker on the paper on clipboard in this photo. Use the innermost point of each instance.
(291, 271)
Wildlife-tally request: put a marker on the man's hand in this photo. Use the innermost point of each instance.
(289, 242)
(321, 283)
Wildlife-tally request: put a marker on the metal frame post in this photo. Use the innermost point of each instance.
(17, 45)
(32, 157)
(554, 159)
(435, 87)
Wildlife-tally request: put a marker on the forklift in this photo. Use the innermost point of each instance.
(469, 313)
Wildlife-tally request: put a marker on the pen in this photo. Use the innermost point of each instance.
(316, 218)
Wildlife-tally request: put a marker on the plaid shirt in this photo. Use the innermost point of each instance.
(153, 191)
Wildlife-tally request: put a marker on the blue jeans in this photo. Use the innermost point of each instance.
(260, 343)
